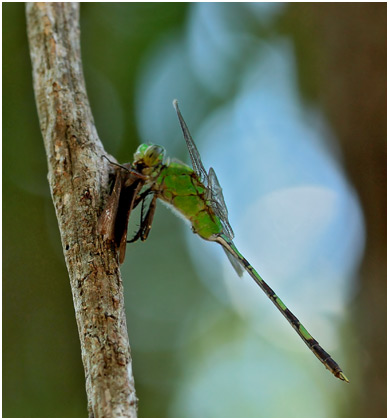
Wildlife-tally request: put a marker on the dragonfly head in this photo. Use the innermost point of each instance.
(149, 156)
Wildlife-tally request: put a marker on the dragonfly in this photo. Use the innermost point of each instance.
(197, 196)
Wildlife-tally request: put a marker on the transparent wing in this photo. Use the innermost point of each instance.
(210, 181)
(193, 152)
(217, 202)
(235, 263)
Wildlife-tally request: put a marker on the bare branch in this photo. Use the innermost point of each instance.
(78, 179)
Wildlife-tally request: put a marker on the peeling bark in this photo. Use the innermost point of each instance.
(78, 179)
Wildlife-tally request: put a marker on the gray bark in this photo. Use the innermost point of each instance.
(78, 178)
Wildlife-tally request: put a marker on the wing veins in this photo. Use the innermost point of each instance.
(193, 152)
(210, 181)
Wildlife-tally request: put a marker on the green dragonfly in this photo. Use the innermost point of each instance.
(197, 196)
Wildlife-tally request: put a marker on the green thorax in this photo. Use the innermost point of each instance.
(179, 186)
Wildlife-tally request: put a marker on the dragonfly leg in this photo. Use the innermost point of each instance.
(126, 204)
(142, 196)
(149, 218)
(139, 233)
(131, 171)
(146, 222)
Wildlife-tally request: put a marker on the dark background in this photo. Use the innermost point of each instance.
(340, 55)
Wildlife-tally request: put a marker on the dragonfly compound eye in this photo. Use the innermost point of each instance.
(154, 155)
(140, 152)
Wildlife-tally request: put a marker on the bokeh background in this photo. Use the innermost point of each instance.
(288, 103)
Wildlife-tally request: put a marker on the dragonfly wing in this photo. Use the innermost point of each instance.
(215, 194)
(235, 263)
(217, 202)
(198, 166)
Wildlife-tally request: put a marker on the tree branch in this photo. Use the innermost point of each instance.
(78, 179)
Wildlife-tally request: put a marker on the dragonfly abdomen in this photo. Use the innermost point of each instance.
(315, 347)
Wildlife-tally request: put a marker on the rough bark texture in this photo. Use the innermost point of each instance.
(78, 179)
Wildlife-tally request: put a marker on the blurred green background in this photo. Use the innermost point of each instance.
(288, 103)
